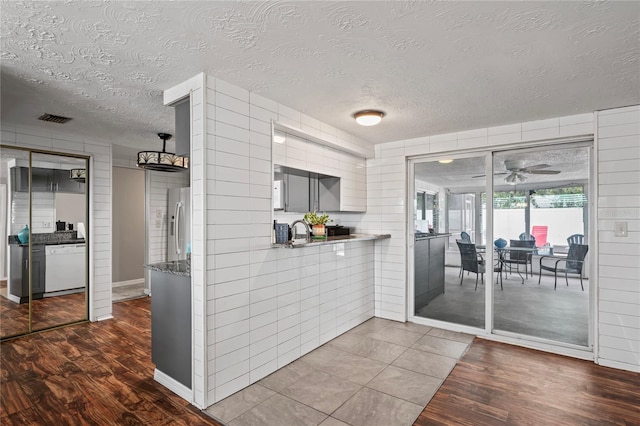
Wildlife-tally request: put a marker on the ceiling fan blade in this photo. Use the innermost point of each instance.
(543, 172)
(495, 174)
(535, 167)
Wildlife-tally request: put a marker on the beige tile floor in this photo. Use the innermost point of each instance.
(379, 373)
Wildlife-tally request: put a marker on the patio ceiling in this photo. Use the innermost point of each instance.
(457, 176)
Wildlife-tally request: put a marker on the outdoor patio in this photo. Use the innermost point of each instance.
(530, 309)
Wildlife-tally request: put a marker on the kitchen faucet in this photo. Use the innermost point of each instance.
(306, 227)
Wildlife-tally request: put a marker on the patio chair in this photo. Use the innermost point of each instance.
(539, 233)
(573, 264)
(470, 260)
(575, 239)
(467, 239)
(526, 237)
(519, 257)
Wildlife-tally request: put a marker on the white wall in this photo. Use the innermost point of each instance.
(256, 308)
(560, 222)
(128, 224)
(100, 208)
(618, 151)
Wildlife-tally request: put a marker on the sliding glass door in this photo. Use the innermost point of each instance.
(540, 203)
(449, 208)
(526, 275)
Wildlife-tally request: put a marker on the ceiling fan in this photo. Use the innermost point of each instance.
(516, 171)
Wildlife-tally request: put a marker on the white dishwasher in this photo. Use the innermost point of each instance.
(65, 267)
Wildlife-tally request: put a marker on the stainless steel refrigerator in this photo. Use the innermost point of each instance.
(179, 229)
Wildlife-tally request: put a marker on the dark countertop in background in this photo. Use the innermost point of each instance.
(180, 267)
(61, 242)
(427, 235)
(49, 239)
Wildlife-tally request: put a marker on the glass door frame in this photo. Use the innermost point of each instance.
(411, 192)
(488, 332)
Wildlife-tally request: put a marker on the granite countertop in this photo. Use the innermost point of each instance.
(49, 239)
(60, 242)
(179, 267)
(333, 240)
(426, 236)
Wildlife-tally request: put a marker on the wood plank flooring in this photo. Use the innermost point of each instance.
(499, 384)
(93, 373)
(46, 313)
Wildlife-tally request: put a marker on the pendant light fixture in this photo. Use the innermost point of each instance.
(369, 117)
(163, 161)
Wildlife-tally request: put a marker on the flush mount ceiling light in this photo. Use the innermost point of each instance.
(163, 161)
(369, 117)
(79, 175)
(445, 161)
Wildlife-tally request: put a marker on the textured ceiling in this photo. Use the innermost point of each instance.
(433, 67)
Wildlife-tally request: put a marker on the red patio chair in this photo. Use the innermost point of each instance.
(540, 234)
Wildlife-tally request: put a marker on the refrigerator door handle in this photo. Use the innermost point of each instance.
(177, 228)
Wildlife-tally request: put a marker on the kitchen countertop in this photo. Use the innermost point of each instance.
(49, 239)
(50, 243)
(333, 240)
(426, 236)
(179, 267)
(60, 242)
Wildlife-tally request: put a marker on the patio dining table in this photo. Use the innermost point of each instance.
(503, 250)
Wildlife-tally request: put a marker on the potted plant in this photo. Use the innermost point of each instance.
(317, 222)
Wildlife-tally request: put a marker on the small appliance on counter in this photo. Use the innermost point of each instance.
(338, 231)
(60, 225)
(282, 233)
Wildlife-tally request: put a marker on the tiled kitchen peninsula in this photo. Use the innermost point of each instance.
(258, 308)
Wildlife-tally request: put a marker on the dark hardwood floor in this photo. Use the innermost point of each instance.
(46, 313)
(499, 384)
(101, 374)
(93, 373)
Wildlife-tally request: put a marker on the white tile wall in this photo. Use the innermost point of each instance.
(99, 210)
(618, 146)
(258, 308)
(43, 210)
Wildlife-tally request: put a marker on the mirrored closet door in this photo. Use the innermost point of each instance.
(45, 223)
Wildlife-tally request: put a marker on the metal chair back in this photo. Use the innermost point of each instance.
(575, 239)
(575, 257)
(469, 257)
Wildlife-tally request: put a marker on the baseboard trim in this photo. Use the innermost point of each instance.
(14, 299)
(173, 385)
(129, 282)
(618, 365)
(104, 317)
